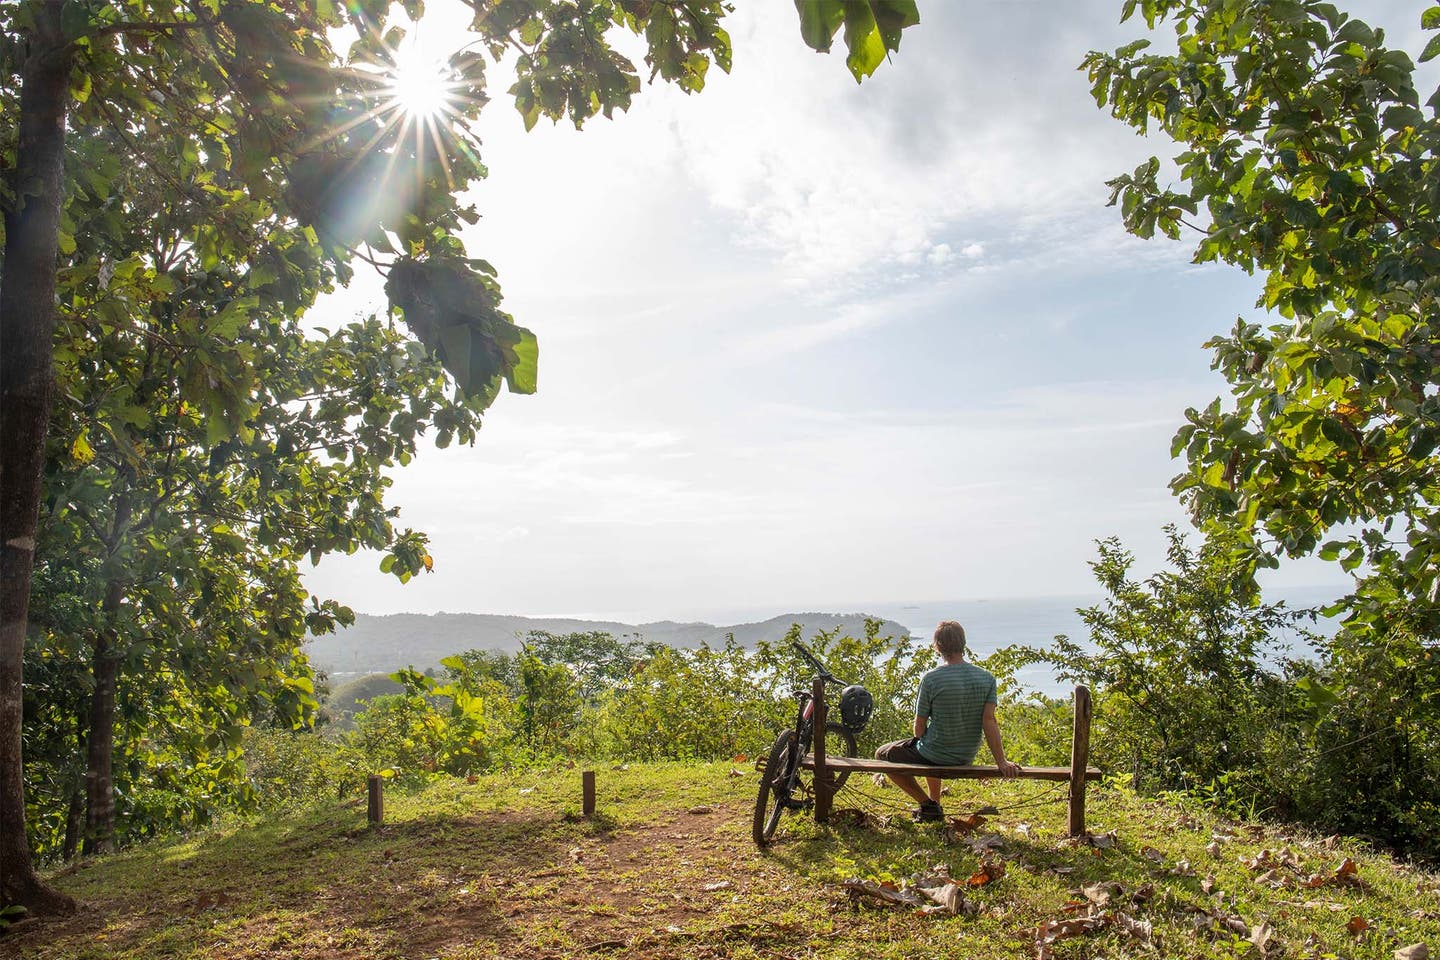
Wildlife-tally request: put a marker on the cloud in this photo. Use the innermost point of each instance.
(959, 127)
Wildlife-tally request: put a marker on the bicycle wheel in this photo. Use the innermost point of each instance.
(839, 742)
(775, 787)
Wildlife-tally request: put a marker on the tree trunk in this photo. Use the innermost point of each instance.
(105, 669)
(74, 823)
(100, 749)
(27, 331)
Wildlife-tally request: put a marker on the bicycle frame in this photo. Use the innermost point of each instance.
(781, 783)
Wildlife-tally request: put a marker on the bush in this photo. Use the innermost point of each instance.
(715, 703)
(1177, 665)
(1193, 693)
(287, 767)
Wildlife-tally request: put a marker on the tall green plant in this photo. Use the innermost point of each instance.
(1183, 665)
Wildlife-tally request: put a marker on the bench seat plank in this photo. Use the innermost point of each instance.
(863, 765)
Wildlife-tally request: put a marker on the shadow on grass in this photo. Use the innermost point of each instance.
(324, 885)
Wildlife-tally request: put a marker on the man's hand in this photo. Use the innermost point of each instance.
(1009, 769)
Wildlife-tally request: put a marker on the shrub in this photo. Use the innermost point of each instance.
(1193, 692)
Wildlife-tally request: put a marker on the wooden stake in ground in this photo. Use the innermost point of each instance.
(376, 811)
(1079, 761)
(587, 793)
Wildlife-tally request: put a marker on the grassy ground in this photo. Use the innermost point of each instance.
(505, 867)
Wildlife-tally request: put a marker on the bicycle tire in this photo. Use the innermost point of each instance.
(769, 802)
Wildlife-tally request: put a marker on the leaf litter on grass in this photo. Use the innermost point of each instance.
(650, 883)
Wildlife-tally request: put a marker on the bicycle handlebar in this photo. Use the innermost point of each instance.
(820, 670)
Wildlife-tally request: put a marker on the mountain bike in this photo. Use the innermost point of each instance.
(784, 783)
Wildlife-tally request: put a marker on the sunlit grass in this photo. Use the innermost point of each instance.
(506, 867)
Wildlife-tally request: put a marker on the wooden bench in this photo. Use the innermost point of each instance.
(1078, 773)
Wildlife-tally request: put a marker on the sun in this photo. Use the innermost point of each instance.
(419, 82)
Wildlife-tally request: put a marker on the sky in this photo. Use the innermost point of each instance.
(807, 344)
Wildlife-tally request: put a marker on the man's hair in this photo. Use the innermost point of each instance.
(950, 638)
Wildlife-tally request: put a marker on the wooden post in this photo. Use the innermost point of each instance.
(1079, 761)
(822, 776)
(376, 810)
(587, 793)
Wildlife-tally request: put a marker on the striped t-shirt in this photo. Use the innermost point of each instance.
(953, 699)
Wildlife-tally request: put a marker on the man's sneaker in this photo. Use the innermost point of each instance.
(929, 812)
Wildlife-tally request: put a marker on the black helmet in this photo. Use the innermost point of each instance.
(856, 705)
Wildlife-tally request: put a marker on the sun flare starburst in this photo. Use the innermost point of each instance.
(419, 82)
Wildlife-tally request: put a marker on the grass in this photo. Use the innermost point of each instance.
(506, 867)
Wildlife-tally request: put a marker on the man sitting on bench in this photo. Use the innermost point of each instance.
(955, 706)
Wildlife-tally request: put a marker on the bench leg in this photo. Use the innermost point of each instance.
(1079, 761)
(822, 775)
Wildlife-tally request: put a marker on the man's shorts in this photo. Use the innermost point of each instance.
(901, 751)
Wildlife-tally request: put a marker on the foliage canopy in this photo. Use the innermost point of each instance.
(1308, 158)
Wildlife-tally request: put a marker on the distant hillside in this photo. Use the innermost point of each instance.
(384, 644)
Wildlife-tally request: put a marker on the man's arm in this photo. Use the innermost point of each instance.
(991, 726)
(921, 725)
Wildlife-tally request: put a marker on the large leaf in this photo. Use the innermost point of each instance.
(453, 309)
(819, 19)
(522, 376)
(872, 28)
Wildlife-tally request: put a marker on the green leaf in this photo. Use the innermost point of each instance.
(1432, 49)
(1430, 19)
(80, 449)
(819, 19)
(521, 378)
(1318, 695)
(862, 39)
(894, 16)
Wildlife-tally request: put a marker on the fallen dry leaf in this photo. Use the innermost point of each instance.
(1052, 930)
(1100, 893)
(1261, 935)
(886, 892)
(1143, 894)
(737, 773)
(1357, 926)
(985, 843)
(717, 885)
(1213, 848)
(1101, 841)
(989, 872)
(1275, 879)
(1151, 854)
(948, 898)
(739, 758)
(701, 809)
(1182, 868)
(1416, 951)
(1130, 926)
(966, 824)
(1207, 885)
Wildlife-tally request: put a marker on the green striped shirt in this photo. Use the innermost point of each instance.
(952, 699)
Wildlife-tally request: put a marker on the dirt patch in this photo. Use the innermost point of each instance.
(498, 883)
